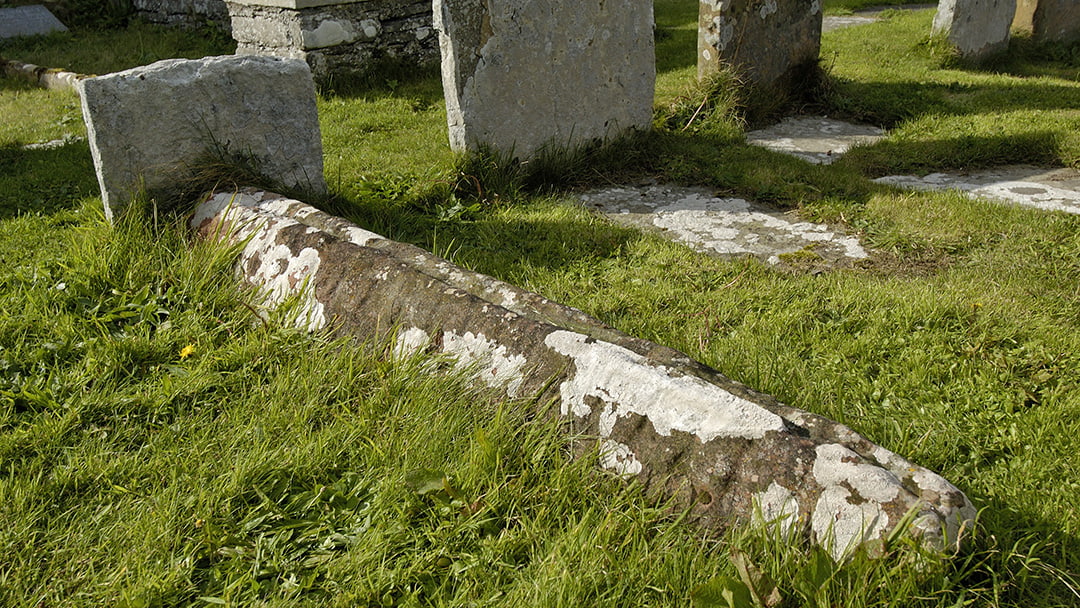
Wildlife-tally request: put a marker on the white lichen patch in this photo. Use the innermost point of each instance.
(839, 525)
(841, 519)
(617, 457)
(488, 360)
(776, 506)
(281, 273)
(814, 139)
(628, 384)
(722, 226)
(409, 342)
(836, 464)
(999, 185)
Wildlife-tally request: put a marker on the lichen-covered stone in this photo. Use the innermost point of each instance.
(1049, 20)
(977, 28)
(336, 37)
(522, 75)
(149, 126)
(716, 447)
(771, 43)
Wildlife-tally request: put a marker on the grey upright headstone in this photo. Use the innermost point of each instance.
(1049, 20)
(28, 21)
(522, 75)
(769, 42)
(149, 126)
(978, 28)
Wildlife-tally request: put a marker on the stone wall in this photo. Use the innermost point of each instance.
(342, 37)
(184, 13)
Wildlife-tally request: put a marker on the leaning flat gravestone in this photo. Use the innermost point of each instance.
(770, 42)
(28, 21)
(1049, 20)
(977, 28)
(150, 126)
(520, 75)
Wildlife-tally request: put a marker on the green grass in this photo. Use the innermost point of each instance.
(161, 444)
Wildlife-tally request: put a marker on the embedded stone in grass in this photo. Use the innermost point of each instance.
(977, 28)
(1035, 187)
(815, 139)
(773, 44)
(32, 20)
(721, 450)
(523, 75)
(720, 226)
(151, 126)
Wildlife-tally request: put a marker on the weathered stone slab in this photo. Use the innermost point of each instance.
(522, 75)
(722, 450)
(977, 28)
(336, 37)
(770, 42)
(1049, 20)
(148, 126)
(30, 20)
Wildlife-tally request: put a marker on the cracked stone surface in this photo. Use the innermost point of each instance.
(1036, 187)
(815, 139)
(722, 226)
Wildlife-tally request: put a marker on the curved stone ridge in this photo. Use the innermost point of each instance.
(722, 450)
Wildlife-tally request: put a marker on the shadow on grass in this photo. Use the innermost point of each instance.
(889, 103)
(890, 157)
(45, 180)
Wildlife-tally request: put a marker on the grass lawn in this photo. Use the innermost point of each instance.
(161, 445)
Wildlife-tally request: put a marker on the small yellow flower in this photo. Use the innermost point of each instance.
(187, 351)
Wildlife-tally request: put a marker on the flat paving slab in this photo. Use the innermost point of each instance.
(723, 226)
(1029, 186)
(30, 20)
(815, 139)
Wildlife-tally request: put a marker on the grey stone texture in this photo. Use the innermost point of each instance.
(770, 42)
(150, 125)
(339, 38)
(184, 13)
(522, 75)
(30, 20)
(1049, 20)
(725, 452)
(977, 28)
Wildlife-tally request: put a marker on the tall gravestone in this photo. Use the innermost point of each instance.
(1049, 20)
(149, 127)
(522, 75)
(977, 28)
(771, 43)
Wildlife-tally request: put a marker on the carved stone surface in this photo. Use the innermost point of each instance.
(977, 28)
(715, 446)
(147, 126)
(336, 38)
(1049, 20)
(520, 75)
(770, 42)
